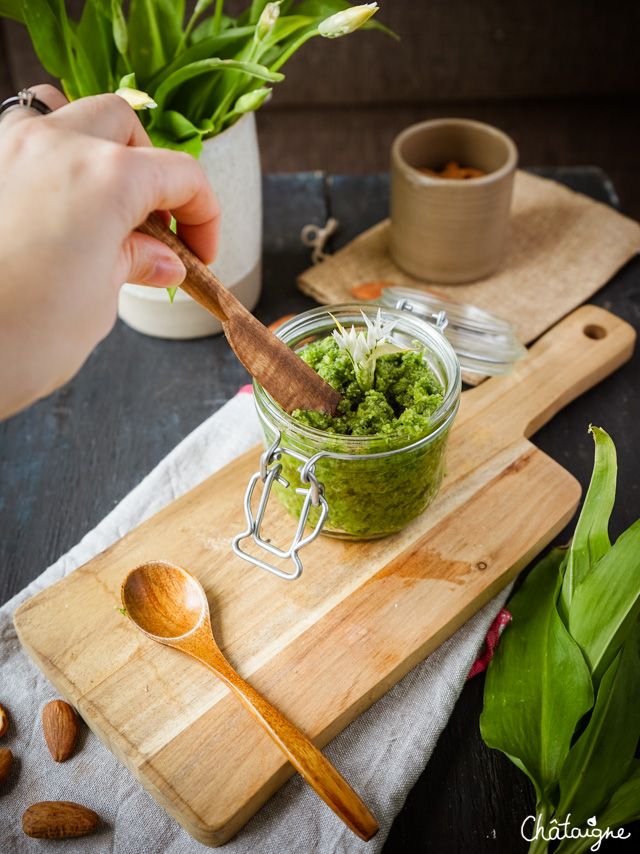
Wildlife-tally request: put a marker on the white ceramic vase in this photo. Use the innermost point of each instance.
(231, 162)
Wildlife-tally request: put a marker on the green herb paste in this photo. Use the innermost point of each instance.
(375, 497)
(406, 393)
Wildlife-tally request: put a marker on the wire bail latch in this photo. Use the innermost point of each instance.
(270, 468)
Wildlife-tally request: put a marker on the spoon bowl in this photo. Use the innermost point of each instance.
(164, 600)
(168, 604)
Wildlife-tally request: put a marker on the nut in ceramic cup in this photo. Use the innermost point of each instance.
(445, 230)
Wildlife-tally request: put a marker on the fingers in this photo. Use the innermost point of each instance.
(146, 261)
(170, 180)
(104, 116)
(49, 95)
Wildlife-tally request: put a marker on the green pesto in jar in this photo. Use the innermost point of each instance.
(405, 394)
(370, 498)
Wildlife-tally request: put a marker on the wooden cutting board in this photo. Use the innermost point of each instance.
(323, 648)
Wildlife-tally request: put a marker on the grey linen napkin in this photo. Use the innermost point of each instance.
(382, 753)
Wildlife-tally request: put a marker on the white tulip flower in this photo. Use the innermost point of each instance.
(136, 99)
(347, 21)
(267, 21)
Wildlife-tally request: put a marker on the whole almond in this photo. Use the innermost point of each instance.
(6, 764)
(58, 820)
(60, 725)
(4, 721)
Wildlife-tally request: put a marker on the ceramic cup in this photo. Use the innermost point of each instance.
(447, 230)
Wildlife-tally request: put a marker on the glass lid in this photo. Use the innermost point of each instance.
(484, 343)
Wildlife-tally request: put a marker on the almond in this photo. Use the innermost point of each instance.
(58, 820)
(60, 725)
(6, 764)
(4, 721)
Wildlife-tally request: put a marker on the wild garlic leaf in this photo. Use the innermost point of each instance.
(538, 685)
(606, 604)
(599, 760)
(49, 31)
(622, 809)
(591, 538)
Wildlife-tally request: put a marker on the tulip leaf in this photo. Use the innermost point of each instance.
(179, 127)
(48, 27)
(154, 34)
(257, 8)
(591, 538)
(205, 49)
(12, 9)
(192, 145)
(94, 37)
(599, 760)
(538, 685)
(206, 66)
(605, 605)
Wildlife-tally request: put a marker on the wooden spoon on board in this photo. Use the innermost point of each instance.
(169, 605)
(289, 380)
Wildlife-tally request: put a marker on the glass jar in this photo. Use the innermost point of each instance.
(373, 485)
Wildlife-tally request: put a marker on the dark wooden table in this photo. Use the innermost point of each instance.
(66, 461)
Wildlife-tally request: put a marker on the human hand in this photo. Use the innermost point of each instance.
(74, 185)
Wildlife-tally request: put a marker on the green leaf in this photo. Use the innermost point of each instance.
(622, 809)
(128, 81)
(538, 685)
(49, 32)
(119, 27)
(624, 806)
(605, 605)
(161, 139)
(205, 66)
(207, 28)
(257, 8)
(599, 760)
(251, 100)
(154, 34)
(12, 9)
(94, 39)
(591, 538)
(172, 293)
(179, 127)
(211, 47)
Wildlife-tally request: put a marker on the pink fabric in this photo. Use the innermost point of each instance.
(246, 389)
(493, 635)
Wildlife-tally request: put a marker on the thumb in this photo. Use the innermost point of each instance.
(146, 261)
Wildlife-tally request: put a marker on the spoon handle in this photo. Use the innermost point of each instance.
(305, 757)
(200, 283)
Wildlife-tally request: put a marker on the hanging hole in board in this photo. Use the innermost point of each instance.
(594, 331)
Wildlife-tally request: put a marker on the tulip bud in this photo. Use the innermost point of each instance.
(136, 99)
(267, 21)
(251, 100)
(347, 21)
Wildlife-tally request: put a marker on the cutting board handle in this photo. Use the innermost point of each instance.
(571, 358)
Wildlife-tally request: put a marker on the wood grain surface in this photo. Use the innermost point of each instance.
(361, 616)
(67, 460)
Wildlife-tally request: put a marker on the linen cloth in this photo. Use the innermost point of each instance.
(562, 248)
(382, 753)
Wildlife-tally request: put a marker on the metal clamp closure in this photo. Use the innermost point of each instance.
(270, 468)
(439, 319)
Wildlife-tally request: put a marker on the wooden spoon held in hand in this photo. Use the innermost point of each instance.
(290, 381)
(168, 604)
